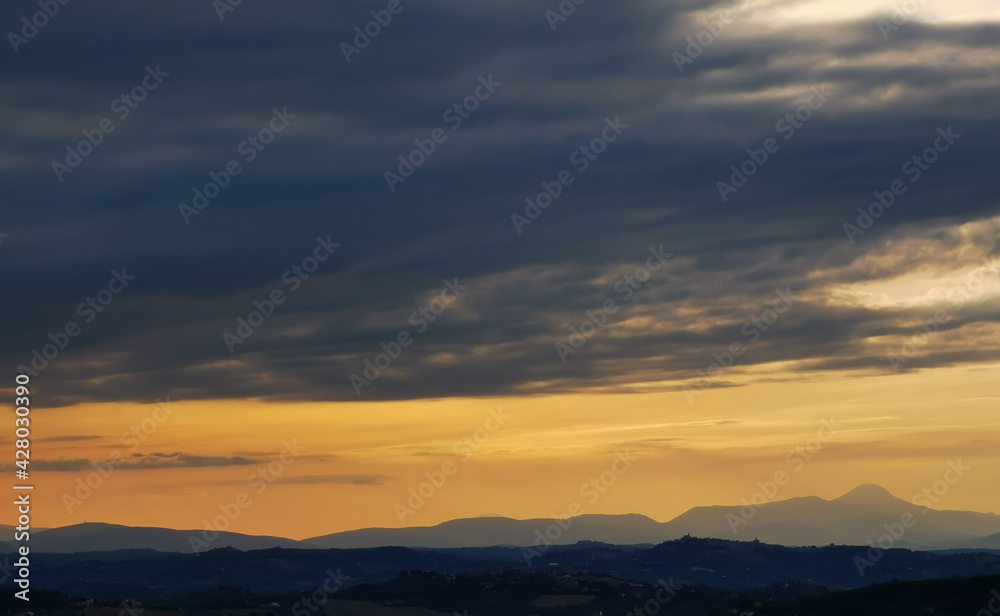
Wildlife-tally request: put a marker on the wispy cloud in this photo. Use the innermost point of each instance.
(140, 461)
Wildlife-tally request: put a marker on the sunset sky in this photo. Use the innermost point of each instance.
(725, 320)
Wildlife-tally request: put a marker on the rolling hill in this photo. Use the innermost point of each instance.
(864, 514)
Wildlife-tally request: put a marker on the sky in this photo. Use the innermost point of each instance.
(484, 250)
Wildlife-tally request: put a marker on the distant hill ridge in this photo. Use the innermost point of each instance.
(864, 514)
(716, 563)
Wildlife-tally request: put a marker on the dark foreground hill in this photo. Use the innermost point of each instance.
(505, 591)
(727, 565)
(500, 593)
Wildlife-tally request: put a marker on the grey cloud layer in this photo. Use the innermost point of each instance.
(323, 176)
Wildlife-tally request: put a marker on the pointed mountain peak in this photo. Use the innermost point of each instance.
(867, 493)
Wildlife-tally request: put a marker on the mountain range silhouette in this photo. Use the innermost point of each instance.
(864, 514)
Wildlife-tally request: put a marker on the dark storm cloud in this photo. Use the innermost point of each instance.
(323, 176)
